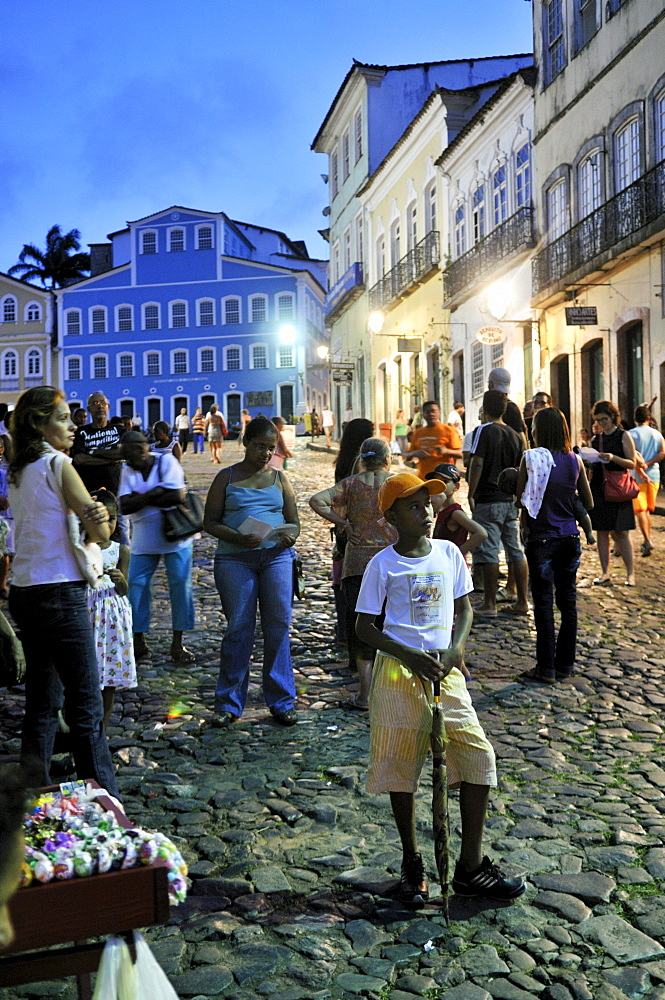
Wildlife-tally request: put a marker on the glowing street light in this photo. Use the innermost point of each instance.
(376, 321)
(322, 352)
(498, 298)
(288, 334)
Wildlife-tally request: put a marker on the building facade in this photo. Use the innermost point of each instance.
(28, 356)
(187, 308)
(600, 190)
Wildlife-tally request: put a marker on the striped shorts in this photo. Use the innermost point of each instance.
(400, 717)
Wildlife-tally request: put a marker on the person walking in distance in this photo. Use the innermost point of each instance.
(433, 442)
(328, 422)
(616, 518)
(198, 430)
(215, 428)
(182, 424)
(650, 448)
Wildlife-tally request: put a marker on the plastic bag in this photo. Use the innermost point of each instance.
(118, 978)
(151, 981)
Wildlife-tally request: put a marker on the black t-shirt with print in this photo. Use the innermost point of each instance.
(89, 439)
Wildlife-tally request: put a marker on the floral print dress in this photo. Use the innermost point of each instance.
(111, 620)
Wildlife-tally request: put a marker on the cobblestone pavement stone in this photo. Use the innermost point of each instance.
(292, 862)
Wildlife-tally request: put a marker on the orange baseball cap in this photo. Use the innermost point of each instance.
(404, 484)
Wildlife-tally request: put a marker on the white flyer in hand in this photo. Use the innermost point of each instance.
(266, 532)
(590, 455)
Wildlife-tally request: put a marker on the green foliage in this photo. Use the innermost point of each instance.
(60, 263)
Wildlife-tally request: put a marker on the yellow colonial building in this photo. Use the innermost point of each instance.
(27, 352)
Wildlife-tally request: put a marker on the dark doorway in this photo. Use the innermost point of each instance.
(127, 408)
(154, 411)
(434, 365)
(560, 379)
(74, 406)
(178, 403)
(286, 401)
(593, 381)
(631, 371)
(232, 410)
(206, 403)
(458, 378)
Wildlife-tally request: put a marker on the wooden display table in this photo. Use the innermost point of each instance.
(75, 910)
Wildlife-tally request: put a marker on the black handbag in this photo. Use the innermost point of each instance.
(186, 518)
(298, 580)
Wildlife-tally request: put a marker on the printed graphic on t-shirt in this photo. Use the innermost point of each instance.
(427, 599)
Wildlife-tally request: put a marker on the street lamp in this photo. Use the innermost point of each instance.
(288, 334)
(323, 352)
(498, 298)
(376, 321)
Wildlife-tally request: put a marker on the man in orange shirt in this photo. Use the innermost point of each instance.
(434, 442)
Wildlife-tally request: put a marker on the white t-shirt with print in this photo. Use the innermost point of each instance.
(419, 593)
(147, 535)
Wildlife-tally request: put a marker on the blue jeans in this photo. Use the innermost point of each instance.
(198, 443)
(553, 566)
(179, 574)
(265, 575)
(55, 630)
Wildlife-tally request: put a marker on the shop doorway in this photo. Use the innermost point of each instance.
(560, 382)
(593, 379)
(630, 371)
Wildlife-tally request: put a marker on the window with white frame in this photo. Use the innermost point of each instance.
(259, 356)
(557, 210)
(431, 208)
(411, 226)
(589, 183)
(523, 176)
(10, 364)
(232, 358)
(395, 242)
(176, 240)
(151, 317)
(207, 359)
(179, 362)
(500, 195)
(148, 241)
(231, 310)
(478, 213)
(98, 319)
(357, 135)
(460, 230)
(477, 369)
(153, 363)
(554, 38)
(204, 238)
(380, 256)
(346, 250)
(125, 365)
(285, 355)
(659, 109)
(73, 322)
(74, 370)
(33, 312)
(285, 307)
(33, 363)
(259, 308)
(124, 318)
(178, 314)
(99, 366)
(9, 309)
(627, 154)
(360, 255)
(496, 355)
(206, 312)
(346, 155)
(334, 175)
(335, 263)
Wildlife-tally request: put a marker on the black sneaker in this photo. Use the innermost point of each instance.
(413, 886)
(486, 880)
(288, 718)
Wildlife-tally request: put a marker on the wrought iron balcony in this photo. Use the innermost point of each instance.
(504, 242)
(621, 218)
(345, 291)
(407, 273)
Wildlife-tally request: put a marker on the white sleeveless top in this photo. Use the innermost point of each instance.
(43, 550)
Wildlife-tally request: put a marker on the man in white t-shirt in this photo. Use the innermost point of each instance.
(328, 422)
(150, 483)
(182, 427)
(454, 418)
(424, 585)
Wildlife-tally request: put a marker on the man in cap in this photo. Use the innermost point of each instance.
(499, 379)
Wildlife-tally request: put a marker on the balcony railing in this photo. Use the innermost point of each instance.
(508, 239)
(344, 291)
(407, 272)
(622, 217)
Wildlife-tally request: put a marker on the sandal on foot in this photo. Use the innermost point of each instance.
(512, 610)
(182, 655)
(602, 581)
(352, 704)
(535, 677)
(478, 613)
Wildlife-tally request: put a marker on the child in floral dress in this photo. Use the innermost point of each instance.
(111, 614)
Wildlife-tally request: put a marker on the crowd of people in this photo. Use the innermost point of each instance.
(84, 506)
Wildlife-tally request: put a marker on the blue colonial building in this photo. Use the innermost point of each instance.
(189, 308)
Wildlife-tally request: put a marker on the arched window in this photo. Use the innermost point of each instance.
(10, 364)
(523, 176)
(33, 363)
(259, 308)
(285, 307)
(659, 109)
(499, 195)
(231, 310)
(99, 364)
(179, 362)
(176, 240)
(98, 319)
(125, 365)
(73, 322)
(33, 312)
(74, 368)
(178, 314)
(207, 359)
(557, 210)
(411, 226)
(206, 312)
(148, 241)
(153, 363)
(395, 242)
(430, 208)
(627, 158)
(232, 358)
(259, 356)
(9, 309)
(589, 183)
(204, 238)
(151, 316)
(124, 318)
(460, 231)
(478, 213)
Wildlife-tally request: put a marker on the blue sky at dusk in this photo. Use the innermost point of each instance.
(114, 109)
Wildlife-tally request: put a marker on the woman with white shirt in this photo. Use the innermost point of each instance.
(48, 594)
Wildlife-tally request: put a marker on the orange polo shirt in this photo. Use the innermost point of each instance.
(438, 438)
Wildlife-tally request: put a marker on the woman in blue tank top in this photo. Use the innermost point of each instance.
(548, 479)
(251, 568)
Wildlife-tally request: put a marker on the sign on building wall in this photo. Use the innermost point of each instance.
(581, 316)
(491, 335)
(265, 398)
(342, 376)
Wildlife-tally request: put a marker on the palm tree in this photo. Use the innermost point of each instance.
(60, 263)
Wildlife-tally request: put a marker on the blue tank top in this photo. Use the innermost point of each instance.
(556, 517)
(241, 502)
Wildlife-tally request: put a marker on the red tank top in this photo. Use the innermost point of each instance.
(450, 532)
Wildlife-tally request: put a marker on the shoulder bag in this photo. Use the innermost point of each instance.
(186, 518)
(617, 486)
(88, 555)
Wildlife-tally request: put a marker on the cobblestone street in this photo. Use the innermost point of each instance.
(292, 863)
